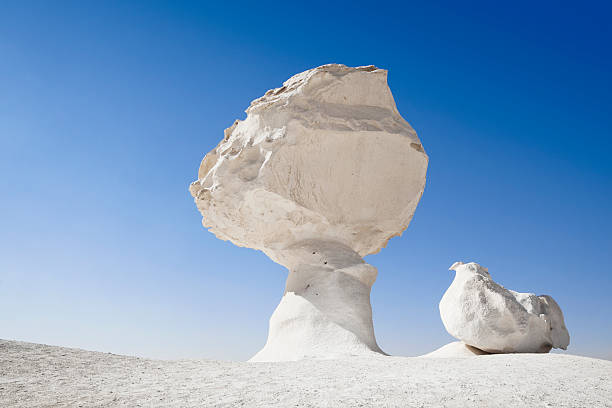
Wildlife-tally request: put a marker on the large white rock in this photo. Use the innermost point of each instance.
(322, 172)
(485, 315)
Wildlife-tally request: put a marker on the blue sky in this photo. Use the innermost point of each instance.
(106, 109)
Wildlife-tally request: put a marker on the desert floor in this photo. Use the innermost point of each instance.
(34, 375)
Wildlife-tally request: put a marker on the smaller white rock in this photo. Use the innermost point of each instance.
(485, 315)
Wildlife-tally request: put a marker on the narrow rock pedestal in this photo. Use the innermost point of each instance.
(325, 309)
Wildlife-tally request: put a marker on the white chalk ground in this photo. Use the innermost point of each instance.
(34, 375)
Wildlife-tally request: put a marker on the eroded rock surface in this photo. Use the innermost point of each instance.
(485, 315)
(322, 172)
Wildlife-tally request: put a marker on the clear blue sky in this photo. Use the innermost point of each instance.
(107, 108)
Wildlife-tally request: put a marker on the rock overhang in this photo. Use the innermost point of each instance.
(325, 156)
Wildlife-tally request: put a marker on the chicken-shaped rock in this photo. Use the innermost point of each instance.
(485, 315)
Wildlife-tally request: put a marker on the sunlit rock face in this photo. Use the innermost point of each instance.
(485, 315)
(322, 172)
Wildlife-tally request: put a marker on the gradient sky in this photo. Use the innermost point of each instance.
(107, 108)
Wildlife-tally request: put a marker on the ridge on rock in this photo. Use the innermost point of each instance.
(483, 314)
(323, 171)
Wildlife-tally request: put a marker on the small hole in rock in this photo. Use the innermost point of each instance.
(325, 262)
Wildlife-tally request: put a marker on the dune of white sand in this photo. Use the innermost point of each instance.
(34, 375)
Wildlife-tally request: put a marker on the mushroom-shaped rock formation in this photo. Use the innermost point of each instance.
(485, 315)
(322, 172)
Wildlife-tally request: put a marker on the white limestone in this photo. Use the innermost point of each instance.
(322, 172)
(35, 375)
(455, 349)
(485, 315)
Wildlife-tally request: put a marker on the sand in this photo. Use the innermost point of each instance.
(34, 375)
